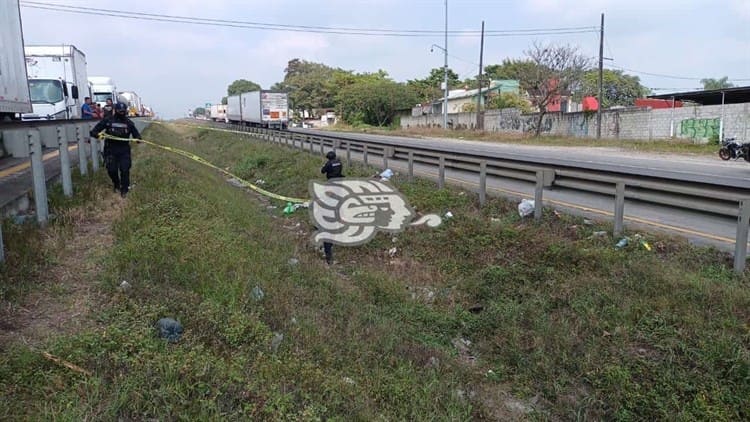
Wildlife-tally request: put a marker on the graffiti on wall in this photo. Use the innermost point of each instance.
(522, 123)
(699, 128)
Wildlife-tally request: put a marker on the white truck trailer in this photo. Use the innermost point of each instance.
(218, 113)
(268, 109)
(102, 89)
(57, 81)
(133, 101)
(14, 87)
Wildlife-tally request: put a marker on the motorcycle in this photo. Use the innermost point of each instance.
(731, 148)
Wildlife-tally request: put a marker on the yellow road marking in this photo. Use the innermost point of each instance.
(26, 164)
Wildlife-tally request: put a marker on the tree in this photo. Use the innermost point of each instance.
(508, 100)
(557, 70)
(199, 111)
(373, 99)
(224, 100)
(310, 85)
(429, 88)
(518, 70)
(618, 89)
(241, 86)
(720, 83)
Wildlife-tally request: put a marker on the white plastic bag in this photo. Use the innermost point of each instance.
(386, 175)
(526, 208)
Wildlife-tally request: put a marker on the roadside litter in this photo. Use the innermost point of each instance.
(526, 208)
(257, 293)
(386, 175)
(622, 243)
(448, 214)
(169, 329)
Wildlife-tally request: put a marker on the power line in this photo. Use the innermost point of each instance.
(295, 28)
(686, 78)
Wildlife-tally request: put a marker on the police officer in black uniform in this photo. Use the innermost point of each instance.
(117, 153)
(332, 169)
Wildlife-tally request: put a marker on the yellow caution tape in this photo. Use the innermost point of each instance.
(201, 160)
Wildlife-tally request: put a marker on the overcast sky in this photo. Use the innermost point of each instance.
(176, 67)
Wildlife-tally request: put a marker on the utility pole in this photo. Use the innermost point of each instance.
(480, 121)
(445, 71)
(601, 81)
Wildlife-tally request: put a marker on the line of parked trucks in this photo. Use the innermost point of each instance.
(49, 82)
(262, 108)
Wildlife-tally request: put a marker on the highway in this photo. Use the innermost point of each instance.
(698, 227)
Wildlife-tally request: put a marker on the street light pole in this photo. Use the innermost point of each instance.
(445, 71)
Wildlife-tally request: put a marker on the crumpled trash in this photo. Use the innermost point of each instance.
(260, 182)
(169, 329)
(599, 234)
(293, 261)
(386, 175)
(448, 214)
(257, 293)
(392, 251)
(642, 242)
(622, 243)
(290, 207)
(526, 208)
(125, 286)
(276, 341)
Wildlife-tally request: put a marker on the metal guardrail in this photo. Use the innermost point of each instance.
(722, 196)
(28, 139)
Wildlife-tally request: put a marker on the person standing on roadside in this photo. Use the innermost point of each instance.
(86, 111)
(332, 169)
(109, 108)
(117, 151)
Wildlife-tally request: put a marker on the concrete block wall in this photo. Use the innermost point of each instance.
(699, 123)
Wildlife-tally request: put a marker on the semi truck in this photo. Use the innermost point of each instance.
(57, 81)
(133, 101)
(269, 109)
(102, 89)
(14, 88)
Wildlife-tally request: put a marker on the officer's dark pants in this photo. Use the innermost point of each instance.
(117, 160)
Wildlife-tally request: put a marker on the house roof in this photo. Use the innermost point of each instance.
(740, 94)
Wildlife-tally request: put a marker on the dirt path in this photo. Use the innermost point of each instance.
(68, 289)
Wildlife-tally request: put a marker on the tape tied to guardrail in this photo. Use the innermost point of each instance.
(209, 164)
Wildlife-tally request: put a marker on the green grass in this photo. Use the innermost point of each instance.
(568, 326)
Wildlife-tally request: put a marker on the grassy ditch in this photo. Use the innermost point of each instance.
(489, 316)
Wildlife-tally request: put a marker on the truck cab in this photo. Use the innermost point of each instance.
(53, 99)
(57, 81)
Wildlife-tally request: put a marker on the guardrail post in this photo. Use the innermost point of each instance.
(411, 165)
(37, 173)
(310, 140)
(740, 245)
(619, 208)
(322, 146)
(2, 248)
(364, 153)
(348, 154)
(83, 165)
(67, 180)
(385, 159)
(482, 182)
(94, 154)
(538, 195)
(441, 172)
